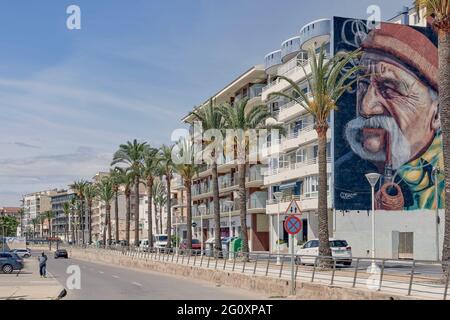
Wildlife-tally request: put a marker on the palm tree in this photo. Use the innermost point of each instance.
(49, 215)
(158, 190)
(72, 220)
(238, 118)
(79, 187)
(90, 193)
(211, 119)
(185, 166)
(106, 194)
(66, 210)
(126, 177)
(117, 179)
(439, 12)
(327, 82)
(132, 154)
(35, 222)
(42, 218)
(162, 201)
(149, 172)
(168, 165)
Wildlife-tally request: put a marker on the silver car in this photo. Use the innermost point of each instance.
(23, 253)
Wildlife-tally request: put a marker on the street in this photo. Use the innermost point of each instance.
(104, 282)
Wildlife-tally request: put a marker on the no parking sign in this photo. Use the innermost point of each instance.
(293, 225)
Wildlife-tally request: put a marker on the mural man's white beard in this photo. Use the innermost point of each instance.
(400, 146)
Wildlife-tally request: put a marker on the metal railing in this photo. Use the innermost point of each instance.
(412, 278)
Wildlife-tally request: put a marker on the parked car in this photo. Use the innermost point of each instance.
(61, 253)
(9, 262)
(23, 253)
(160, 241)
(339, 250)
(196, 245)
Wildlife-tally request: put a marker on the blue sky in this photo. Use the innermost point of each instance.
(68, 98)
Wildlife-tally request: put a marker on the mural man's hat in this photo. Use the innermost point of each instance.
(408, 45)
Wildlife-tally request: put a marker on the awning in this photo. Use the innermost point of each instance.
(288, 186)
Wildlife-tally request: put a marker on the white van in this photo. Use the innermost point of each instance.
(160, 241)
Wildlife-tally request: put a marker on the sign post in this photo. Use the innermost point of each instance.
(292, 225)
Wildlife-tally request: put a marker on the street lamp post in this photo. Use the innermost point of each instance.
(278, 197)
(373, 179)
(436, 172)
(229, 204)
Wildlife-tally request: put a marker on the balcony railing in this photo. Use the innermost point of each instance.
(294, 166)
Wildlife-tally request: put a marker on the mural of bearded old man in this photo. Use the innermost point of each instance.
(396, 131)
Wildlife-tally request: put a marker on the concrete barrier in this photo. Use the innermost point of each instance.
(271, 287)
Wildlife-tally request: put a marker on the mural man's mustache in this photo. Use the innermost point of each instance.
(366, 138)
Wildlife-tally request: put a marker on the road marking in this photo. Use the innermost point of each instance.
(137, 284)
(101, 272)
(117, 277)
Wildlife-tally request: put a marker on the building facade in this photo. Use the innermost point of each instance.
(61, 227)
(34, 205)
(247, 86)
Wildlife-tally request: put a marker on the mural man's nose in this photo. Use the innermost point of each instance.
(372, 103)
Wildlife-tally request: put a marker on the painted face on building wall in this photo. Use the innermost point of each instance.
(394, 127)
(397, 113)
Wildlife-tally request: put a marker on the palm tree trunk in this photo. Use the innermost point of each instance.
(127, 218)
(149, 212)
(243, 207)
(116, 214)
(169, 214)
(108, 221)
(188, 186)
(161, 218)
(216, 205)
(158, 230)
(324, 245)
(82, 224)
(90, 221)
(444, 104)
(136, 213)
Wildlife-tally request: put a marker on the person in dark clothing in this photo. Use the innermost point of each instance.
(43, 265)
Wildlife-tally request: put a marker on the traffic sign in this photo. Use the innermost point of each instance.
(293, 208)
(293, 225)
(194, 224)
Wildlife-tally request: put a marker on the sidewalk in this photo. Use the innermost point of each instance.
(28, 285)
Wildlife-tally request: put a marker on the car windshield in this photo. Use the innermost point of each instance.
(338, 243)
(161, 238)
(195, 241)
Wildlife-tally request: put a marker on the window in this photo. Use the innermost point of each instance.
(315, 151)
(314, 244)
(311, 186)
(300, 155)
(338, 243)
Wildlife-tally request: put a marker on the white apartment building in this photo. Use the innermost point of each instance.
(293, 167)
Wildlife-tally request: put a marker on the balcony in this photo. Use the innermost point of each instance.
(290, 48)
(291, 110)
(306, 202)
(315, 33)
(298, 138)
(272, 61)
(294, 171)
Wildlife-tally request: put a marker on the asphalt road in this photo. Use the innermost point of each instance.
(106, 282)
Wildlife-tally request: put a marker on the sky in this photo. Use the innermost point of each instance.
(68, 98)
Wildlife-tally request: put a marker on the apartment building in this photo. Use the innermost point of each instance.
(179, 207)
(249, 86)
(34, 204)
(61, 227)
(293, 166)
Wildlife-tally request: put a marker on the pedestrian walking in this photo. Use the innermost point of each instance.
(43, 265)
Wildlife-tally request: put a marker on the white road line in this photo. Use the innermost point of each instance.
(101, 272)
(137, 284)
(117, 277)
